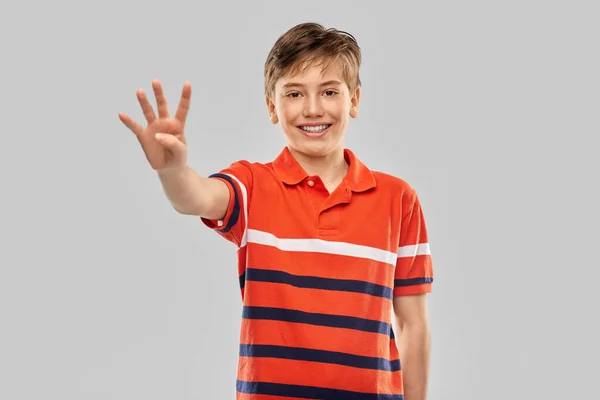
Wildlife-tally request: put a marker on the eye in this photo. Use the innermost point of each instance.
(293, 94)
(331, 93)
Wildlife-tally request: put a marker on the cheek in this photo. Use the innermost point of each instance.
(286, 118)
(290, 114)
(341, 108)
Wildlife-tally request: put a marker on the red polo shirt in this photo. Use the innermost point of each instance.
(318, 273)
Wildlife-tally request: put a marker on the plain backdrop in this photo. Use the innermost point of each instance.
(490, 110)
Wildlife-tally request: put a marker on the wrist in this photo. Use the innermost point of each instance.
(173, 171)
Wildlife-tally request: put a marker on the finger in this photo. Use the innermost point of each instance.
(161, 101)
(146, 107)
(184, 103)
(171, 143)
(136, 128)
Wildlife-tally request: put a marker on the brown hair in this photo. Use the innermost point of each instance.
(307, 43)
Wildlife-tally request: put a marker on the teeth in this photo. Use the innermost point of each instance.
(315, 129)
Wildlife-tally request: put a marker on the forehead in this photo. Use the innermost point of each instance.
(313, 71)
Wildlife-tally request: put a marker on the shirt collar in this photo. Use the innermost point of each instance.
(359, 178)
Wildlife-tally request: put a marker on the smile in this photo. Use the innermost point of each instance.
(313, 131)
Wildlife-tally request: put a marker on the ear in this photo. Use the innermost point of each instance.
(354, 102)
(271, 109)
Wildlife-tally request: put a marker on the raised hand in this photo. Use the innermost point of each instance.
(163, 139)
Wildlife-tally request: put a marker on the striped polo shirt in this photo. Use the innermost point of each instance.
(318, 273)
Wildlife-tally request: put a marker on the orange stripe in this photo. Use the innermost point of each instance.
(320, 265)
(412, 290)
(414, 234)
(267, 294)
(414, 267)
(280, 333)
(247, 396)
(324, 375)
(407, 262)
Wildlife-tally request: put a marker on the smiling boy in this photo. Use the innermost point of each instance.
(329, 251)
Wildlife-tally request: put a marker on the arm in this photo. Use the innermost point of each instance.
(413, 344)
(191, 194)
(165, 147)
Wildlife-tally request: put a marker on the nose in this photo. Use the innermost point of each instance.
(313, 106)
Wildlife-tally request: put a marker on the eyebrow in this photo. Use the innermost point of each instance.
(333, 82)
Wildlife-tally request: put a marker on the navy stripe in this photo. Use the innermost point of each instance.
(309, 392)
(235, 214)
(322, 356)
(412, 281)
(336, 321)
(242, 281)
(313, 282)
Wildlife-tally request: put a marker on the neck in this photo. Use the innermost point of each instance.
(330, 168)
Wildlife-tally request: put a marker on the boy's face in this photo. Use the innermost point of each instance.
(314, 100)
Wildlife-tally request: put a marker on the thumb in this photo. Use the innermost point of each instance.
(171, 143)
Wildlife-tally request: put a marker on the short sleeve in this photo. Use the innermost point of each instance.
(414, 269)
(233, 226)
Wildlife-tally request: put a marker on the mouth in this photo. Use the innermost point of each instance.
(314, 130)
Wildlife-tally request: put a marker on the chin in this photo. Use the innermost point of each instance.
(313, 146)
(315, 149)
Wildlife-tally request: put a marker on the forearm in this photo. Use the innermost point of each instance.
(414, 347)
(186, 190)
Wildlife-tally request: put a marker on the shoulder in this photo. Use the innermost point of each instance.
(249, 171)
(252, 167)
(393, 184)
(398, 190)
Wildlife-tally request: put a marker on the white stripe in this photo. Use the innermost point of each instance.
(322, 246)
(414, 250)
(245, 219)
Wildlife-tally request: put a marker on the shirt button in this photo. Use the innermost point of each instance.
(310, 183)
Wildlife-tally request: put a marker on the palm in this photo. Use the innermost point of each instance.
(158, 156)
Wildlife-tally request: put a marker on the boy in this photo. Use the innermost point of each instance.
(327, 249)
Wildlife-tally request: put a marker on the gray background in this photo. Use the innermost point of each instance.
(489, 109)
